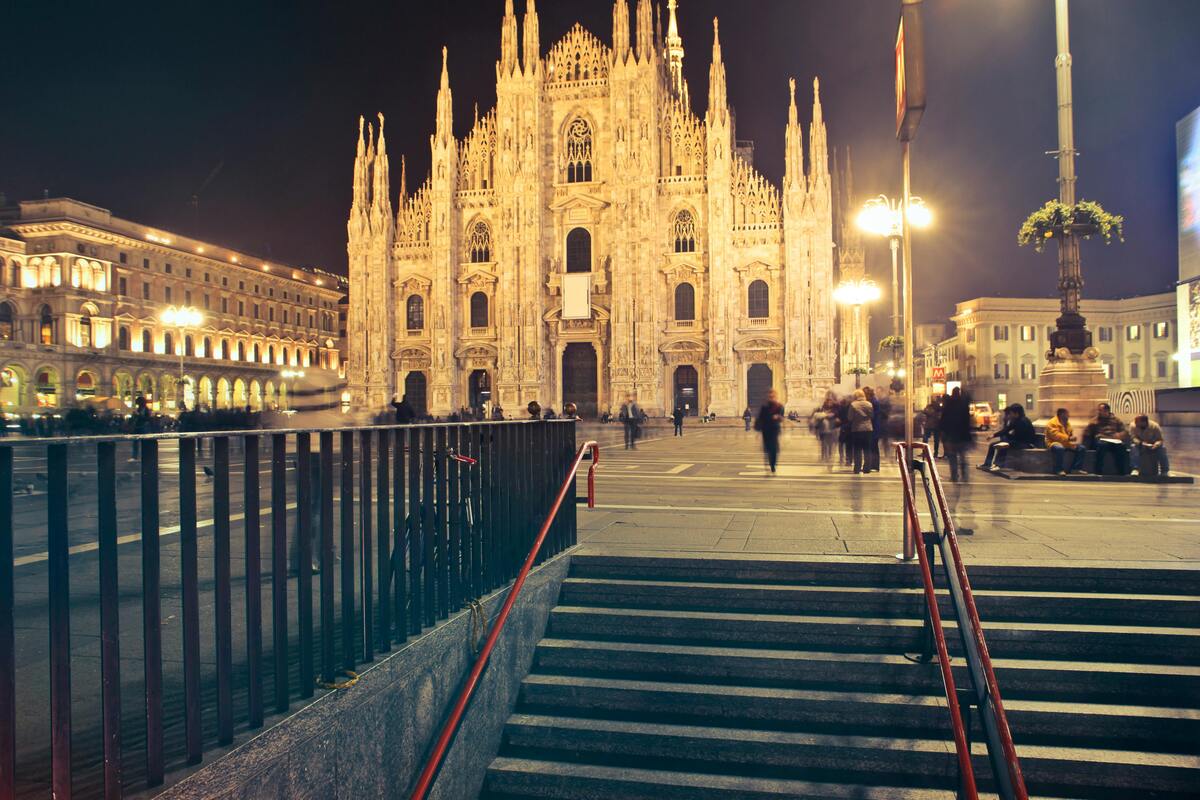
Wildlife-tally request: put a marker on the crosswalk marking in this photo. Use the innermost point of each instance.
(678, 469)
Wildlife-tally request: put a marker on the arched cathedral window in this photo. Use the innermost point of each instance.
(479, 310)
(415, 315)
(579, 250)
(479, 243)
(579, 151)
(685, 302)
(758, 299)
(684, 231)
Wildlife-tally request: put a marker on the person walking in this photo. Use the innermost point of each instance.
(1148, 443)
(630, 416)
(933, 425)
(827, 432)
(142, 422)
(677, 418)
(769, 423)
(859, 417)
(957, 439)
(404, 411)
(1060, 438)
(747, 417)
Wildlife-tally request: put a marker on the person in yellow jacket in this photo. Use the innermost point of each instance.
(1060, 438)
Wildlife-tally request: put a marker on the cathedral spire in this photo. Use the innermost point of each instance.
(381, 202)
(794, 143)
(620, 31)
(818, 153)
(645, 31)
(718, 109)
(675, 50)
(403, 180)
(359, 201)
(531, 49)
(445, 111)
(508, 40)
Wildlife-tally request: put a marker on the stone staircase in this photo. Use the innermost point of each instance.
(665, 677)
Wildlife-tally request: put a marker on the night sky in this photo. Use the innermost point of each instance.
(135, 106)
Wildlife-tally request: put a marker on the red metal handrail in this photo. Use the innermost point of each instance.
(442, 744)
(963, 750)
(1012, 765)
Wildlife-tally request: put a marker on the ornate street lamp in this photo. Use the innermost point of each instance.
(855, 294)
(883, 216)
(182, 318)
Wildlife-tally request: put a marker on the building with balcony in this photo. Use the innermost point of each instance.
(82, 301)
(1000, 344)
(590, 236)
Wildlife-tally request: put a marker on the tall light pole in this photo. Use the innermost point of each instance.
(883, 216)
(854, 294)
(182, 318)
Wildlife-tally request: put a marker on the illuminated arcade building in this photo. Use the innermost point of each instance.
(594, 235)
(90, 311)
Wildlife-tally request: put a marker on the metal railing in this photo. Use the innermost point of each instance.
(984, 693)
(442, 744)
(427, 518)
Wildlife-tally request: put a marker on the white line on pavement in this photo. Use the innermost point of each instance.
(678, 469)
(850, 513)
(170, 530)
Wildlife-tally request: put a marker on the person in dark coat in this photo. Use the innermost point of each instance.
(1017, 432)
(677, 418)
(404, 411)
(957, 438)
(769, 423)
(878, 421)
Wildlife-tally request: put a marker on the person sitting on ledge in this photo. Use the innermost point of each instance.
(1017, 432)
(1108, 435)
(1060, 438)
(1148, 443)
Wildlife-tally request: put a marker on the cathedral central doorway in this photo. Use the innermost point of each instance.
(759, 380)
(687, 389)
(479, 389)
(415, 389)
(579, 378)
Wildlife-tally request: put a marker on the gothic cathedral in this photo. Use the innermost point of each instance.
(591, 236)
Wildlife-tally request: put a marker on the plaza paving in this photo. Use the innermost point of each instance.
(710, 491)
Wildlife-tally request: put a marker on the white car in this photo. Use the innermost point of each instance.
(982, 416)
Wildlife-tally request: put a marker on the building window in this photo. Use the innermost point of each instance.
(1108, 370)
(207, 344)
(1105, 334)
(167, 293)
(241, 308)
(145, 263)
(147, 341)
(124, 258)
(256, 310)
(46, 326)
(207, 302)
(224, 305)
(1028, 372)
(168, 343)
(1028, 333)
(684, 231)
(241, 351)
(123, 338)
(241, 286)
(758, 300)
(970, 335)
(122, 287)
(1162, 330)
(579, 250)
(187, 272)
(1133, 333)
(187, 297)
(1160, 367)
(1000, 333)
(271, 313)
(1049, 332)
(1000, 370)
(415, 313)
(6, 322)
(685, 302)
(167, 268)
(479, 243)
(579, 151)
(145, 291)
(1134, 370)
(479, 310)
(189, 347)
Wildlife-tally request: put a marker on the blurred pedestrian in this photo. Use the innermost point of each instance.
(769, 423)
(957, 439)
(859, 416)
(677, 418)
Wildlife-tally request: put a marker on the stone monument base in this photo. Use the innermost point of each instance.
(1072, 381)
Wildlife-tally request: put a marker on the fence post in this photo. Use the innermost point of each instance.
(58, 564)
(110, 611)
(8, 663)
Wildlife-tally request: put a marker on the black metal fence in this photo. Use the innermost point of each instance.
(423, 520)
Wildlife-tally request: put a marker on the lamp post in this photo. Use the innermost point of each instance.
(182, 318)
(854, 294)
(883, 216)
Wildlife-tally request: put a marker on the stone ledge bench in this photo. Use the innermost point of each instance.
(1036, 464)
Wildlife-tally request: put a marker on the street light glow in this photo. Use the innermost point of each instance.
(182, 317)
(856, 293)
(882, 216)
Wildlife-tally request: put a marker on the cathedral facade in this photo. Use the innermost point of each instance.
(592, 236)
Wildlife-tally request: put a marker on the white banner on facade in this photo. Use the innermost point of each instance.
(577, 295)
